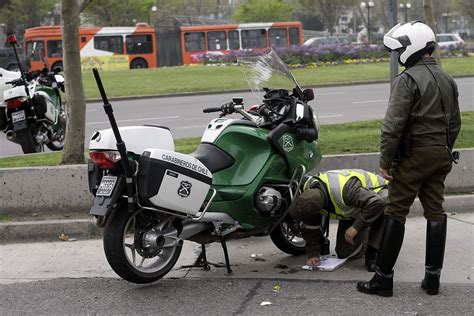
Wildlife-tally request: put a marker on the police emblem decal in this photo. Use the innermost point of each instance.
(184, 189)
(287, 143)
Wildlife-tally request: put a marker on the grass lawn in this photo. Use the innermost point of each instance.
(357, 137)
(207, 78)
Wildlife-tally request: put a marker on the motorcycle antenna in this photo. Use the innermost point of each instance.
(11, 39)
(120, 143)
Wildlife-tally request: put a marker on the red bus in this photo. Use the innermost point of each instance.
(143, 46)
(197, 40)
(134, 47)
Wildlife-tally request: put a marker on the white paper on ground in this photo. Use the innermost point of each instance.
(327, 264)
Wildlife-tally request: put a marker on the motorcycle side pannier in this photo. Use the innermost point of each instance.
(172, 181)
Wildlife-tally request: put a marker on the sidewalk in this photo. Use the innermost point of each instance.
(27, 262)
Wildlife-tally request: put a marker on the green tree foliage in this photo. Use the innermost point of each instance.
(19, 15)
(263, 11)
(118, 12)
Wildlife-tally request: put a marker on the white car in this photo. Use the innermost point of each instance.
(447, 40)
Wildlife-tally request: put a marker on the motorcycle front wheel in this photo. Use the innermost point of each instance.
(27, 142)
(287, 237)
(125, 252)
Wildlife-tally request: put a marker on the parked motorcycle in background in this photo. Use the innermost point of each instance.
(32, 113)
(238, 183)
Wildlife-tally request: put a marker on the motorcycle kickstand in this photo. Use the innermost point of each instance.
(201, 261)
(226, 255)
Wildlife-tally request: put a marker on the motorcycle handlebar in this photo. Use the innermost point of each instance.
(210, 110)
(226, 108)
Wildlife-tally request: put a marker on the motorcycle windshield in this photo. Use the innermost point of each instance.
(268, 71)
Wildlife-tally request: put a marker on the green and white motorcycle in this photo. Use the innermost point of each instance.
(32, 113)
(238, 183)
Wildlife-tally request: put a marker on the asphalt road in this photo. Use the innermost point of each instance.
(65, 278)
(183, 115)
(225, 297)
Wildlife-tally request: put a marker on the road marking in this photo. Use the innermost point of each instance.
(93, 110)
(369, 101)
(136, 120)
(329, 116)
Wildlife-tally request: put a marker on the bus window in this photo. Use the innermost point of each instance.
(234, 42)
(38, 52)
(112, 44)
(139, 44)
(194, 42)
(278, 37)
(216, 41)
(294, 36)
(55, 48)
(254, 39)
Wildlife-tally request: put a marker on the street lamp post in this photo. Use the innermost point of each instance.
(446, 16)
(368, 5)
(153, 11)
(405, 7)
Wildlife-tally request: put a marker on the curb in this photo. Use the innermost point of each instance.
(50, 230)
(190, 94)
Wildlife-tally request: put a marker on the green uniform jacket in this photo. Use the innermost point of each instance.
(415, 107)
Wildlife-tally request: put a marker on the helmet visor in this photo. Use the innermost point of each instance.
(391, 44)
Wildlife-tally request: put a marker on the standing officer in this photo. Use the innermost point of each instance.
(356, 198)
(421, 124)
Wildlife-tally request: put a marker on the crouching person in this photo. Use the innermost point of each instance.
(355, 197)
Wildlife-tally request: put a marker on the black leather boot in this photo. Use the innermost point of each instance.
(392, 239)
(380, 284)
(435, 245)
(370, 258)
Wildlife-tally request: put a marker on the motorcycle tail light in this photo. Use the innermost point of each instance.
(15, 103)
(105, 159)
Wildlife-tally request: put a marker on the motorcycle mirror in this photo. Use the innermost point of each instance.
(308, 94)
(59, 78)
(11, 39)
(238, 100)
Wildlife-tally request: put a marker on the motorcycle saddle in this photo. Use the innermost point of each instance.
(214, 158)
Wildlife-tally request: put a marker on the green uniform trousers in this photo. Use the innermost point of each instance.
(422, 174)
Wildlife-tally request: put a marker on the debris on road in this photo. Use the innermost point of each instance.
(265, 303)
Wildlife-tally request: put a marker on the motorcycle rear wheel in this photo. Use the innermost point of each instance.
(27, 142)
(287, 238)
(56, 145)
(121, 237)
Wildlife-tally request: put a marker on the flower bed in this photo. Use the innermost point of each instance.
(299, 57)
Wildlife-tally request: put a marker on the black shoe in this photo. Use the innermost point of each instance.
(380, 284)
(370, 259)
(431, 281)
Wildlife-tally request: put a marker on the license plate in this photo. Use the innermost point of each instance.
(106, 186)
(18, 116)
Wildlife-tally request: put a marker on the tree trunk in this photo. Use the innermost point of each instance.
(430, 21)
(73, 152)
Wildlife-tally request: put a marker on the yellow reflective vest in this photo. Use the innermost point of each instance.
(336, 180)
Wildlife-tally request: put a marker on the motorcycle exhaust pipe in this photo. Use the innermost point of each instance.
(11, 136)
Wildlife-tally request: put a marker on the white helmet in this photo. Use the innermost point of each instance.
(411, 40)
